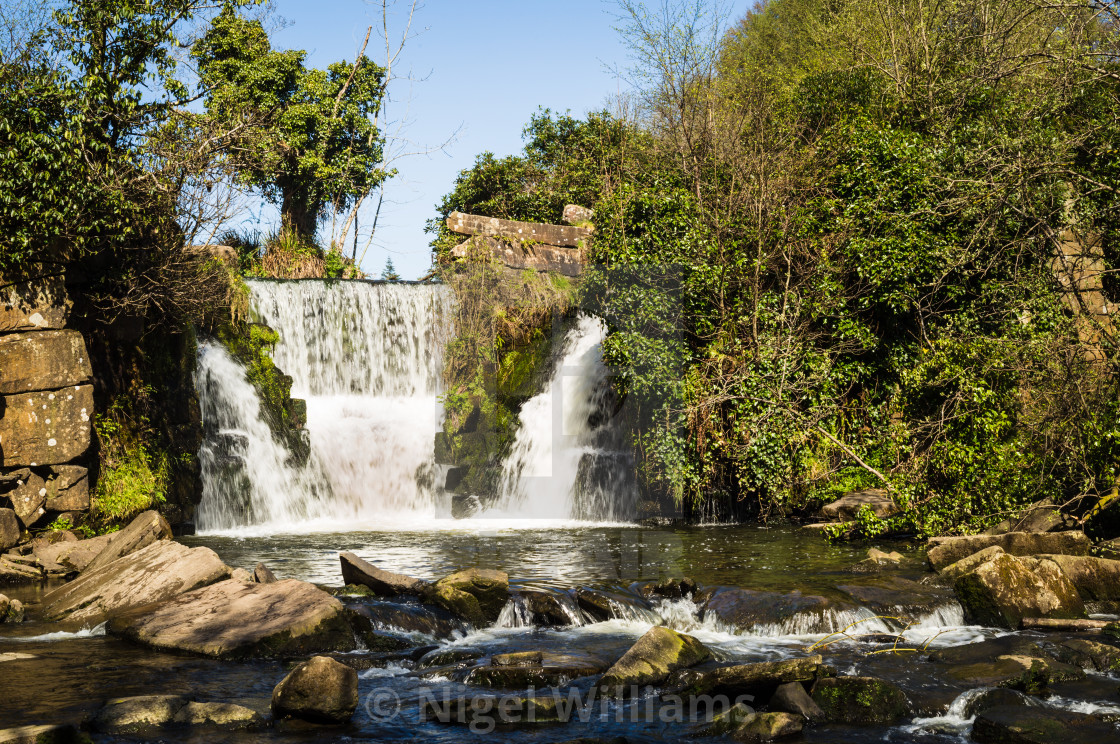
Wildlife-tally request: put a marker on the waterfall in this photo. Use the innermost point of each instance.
(367, 359)
(565, 461)
(247, 475)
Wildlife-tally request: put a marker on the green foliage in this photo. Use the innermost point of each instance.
(132, 479)
(827, 258)
(389, 273)
(312, 142)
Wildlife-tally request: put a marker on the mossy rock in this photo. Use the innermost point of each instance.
(1005, 589)
(1017, 724)
(477, 595)
(860, 700)
(1086, 654)
(765, 727)
(656, 655)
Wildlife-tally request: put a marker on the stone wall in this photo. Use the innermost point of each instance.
(46, 410)
(525, 245)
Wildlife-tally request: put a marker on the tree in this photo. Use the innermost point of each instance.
(315, 144)
(389, 273)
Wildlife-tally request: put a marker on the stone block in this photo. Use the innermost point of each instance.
(44, 360)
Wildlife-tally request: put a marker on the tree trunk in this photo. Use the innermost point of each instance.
(299, 215)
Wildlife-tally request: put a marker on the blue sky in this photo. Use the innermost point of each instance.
(489, 66)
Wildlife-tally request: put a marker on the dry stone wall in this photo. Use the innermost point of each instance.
(46, 410)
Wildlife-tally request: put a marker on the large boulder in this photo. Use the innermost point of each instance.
(145, 529)
(860, 700)
(43, 360)
(477, 594)
(943, 551)
(320, 690)
(746, 609)
(1030, 674)
(233, 620)
(651, 660)
(1002, 591)
(382, 583)
(45, 428)
(9, 529)
(1020, 724)
(760, 679)
(156, 573)
(850, 504)
(1096, 579)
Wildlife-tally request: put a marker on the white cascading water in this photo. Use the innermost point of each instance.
(557, 467)
(367, 359)
(248, 477)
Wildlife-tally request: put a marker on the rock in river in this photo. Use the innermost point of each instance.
(946, 550)
(320, 690)
(382, 583)
(236, 620)
(159, 572)
(651, 660)
(1004, 590)
(860, 700)
(144, 713)
(1035, 725)
(477, 594)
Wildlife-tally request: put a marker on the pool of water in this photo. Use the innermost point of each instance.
(58, 676)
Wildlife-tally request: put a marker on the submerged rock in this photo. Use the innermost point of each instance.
(1030, 674)
(946, 550)
(764, 727)
(407, 618)
(669, 588)
(141, 714)
(235, 620)
(1002, 591)
(1099, 657)
(896, 596)
(745, 609)
(477, 595)
(444, 657)
(604, 605)
(381, 583)
(651, 660)
(483, 712)
(1038, 725)
(535, 669)
(549, 608)
(45, 734)
(994, 698)
(860, 700)
(156, 573)
(320, 690)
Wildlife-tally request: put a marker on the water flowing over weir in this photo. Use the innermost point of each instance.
(367, 358)
(566, 462)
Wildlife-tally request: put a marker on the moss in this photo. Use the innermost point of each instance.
(252, 344)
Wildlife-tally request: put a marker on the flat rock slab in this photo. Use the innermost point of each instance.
(232, 619)
(146, 712)
(75, 556)
(47, 734)
(535, 669)
(162, 570)
(145, 529)
(44, 360)
(558, 235)
(944, 551)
